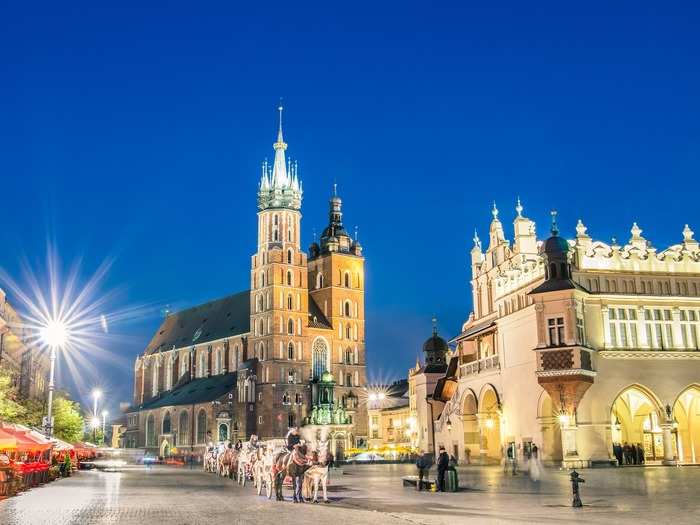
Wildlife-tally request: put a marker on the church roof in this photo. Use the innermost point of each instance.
(200, 390)
(218, 319)
(316, 317)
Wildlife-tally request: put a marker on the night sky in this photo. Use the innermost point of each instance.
(136, 135)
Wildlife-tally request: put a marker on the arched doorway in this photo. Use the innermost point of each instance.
(636, 417)
(223, 432)
(490, 424)
(550, 448)
(470, 426)
(338, 446)
(686, 421)
(165, 449)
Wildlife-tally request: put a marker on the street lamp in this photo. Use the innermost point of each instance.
(55, 335)
(104, 420)
(95, 420)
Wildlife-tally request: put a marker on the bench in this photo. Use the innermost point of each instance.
(412, 481)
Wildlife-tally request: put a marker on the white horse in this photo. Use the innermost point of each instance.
(317, 475)
(246, 461)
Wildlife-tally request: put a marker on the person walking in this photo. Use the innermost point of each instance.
(627, 453)
(443, 463)
(640, 454)
(535, 466)
(617, 452)
(633, 453)
(423, 466)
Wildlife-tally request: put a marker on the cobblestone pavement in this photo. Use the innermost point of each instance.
(368, 494)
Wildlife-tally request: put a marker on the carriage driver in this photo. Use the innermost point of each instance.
(293, 438)
(253, 443)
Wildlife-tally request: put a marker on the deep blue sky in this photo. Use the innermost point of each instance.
(138, 133)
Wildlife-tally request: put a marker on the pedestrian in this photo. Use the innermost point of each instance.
(423, 466)
(535, 466)
(640, 454)
(627, 453)
(617, 453)
(633, 453)
(443, 462)
(239, 445)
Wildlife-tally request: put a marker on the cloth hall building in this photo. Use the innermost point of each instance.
(255, 362)
(573, 346)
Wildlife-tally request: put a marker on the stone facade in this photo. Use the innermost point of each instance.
(20, 354)
(303, 316)
(574, 345)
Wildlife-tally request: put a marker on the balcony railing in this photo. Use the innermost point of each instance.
(482, 365)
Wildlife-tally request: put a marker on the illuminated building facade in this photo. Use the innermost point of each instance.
(247, 364)
(26, 363)
(574, 345)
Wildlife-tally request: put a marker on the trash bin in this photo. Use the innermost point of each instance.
(451, 480)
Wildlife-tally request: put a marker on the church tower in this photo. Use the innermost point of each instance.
(279, 298)
(336, 288)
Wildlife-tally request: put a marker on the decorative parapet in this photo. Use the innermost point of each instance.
(648, 354)
(638, 255)
(488, 364)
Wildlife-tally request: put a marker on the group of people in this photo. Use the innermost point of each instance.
(445, 463)
(628, 454)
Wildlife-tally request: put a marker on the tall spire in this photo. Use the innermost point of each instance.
(280, 178)
(519, 208)
(280, 186)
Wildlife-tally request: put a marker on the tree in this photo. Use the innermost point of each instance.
(68, 423)
(10, 409)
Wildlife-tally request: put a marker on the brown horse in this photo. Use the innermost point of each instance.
(292, 464)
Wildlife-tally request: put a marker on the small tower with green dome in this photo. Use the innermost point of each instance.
(324, 410)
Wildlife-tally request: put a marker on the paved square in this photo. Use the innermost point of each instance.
(369, 494)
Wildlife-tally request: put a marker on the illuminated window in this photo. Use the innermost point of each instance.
(555, 328)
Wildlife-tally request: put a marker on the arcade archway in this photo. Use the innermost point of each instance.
(490, 424)
(551, 446)
(470, 426)
(686, 420)
(636, 417)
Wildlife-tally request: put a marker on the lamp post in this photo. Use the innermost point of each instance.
(55, 335)
(95, 420)
(104, 420)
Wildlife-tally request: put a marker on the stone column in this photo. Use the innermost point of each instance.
(641, 329)
(570, 325)
(676, 328)
(541, 328)
(668, 444)
(483, 440)
(606, 327)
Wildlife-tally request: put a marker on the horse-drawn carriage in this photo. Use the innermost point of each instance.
(270, 465)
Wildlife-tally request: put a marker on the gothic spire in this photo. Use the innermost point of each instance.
(280, 178)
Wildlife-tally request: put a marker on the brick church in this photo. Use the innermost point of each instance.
(251, 362)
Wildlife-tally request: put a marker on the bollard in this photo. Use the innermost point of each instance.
(575, 480)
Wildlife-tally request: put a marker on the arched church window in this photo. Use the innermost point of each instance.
(202, 365)
(166, 423)
(346, 280)
(319, 357)
(348, 379)
(290, 327)
(319, 280)
(289, 278)
(348, 332)
(286, 399)
(289, 256)
(289, 302)
(347, 309)
(201, 426)
(150, 431)
(348, 356)
(183, 434)
(290, 350)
